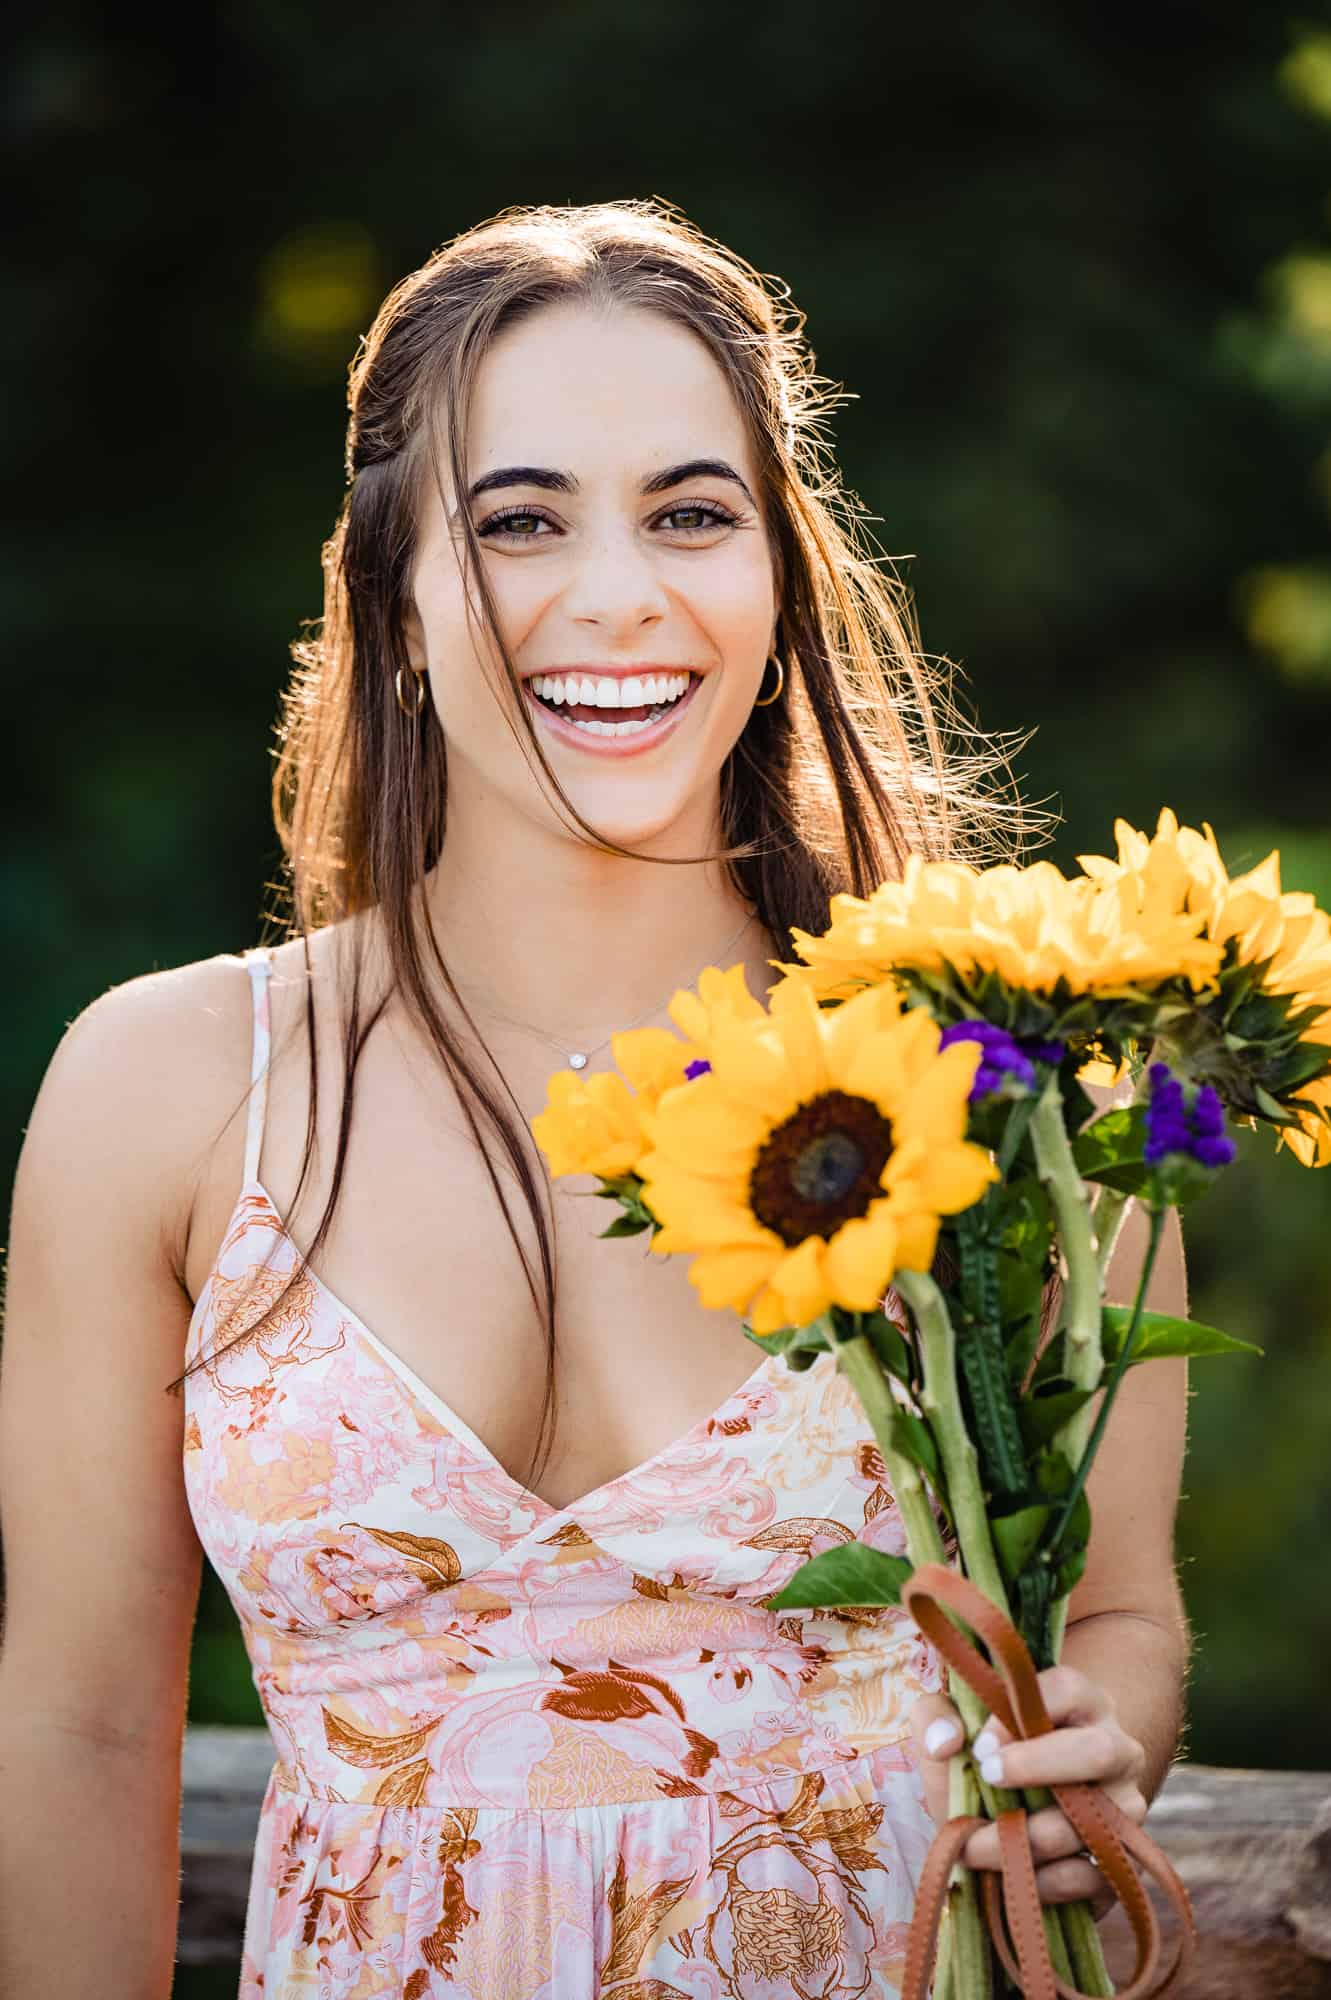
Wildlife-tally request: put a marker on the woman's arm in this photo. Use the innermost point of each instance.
(102, 1562)
(1127, 1625)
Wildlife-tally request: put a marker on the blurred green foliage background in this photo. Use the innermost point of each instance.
(1074, 262)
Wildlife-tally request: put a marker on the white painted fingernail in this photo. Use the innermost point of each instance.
(939, 1734)
(985, 1743)
(991, 1770)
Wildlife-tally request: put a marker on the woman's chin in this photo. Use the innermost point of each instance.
(652, 819)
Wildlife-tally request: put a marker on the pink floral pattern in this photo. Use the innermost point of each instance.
(529, 1753)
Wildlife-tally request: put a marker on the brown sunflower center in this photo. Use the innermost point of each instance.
(820, 1167)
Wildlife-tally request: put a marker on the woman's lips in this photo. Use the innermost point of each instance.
(615, 746)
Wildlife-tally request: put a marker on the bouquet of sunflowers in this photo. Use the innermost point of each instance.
(906, 1121)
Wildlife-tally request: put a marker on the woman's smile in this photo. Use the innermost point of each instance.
(612, 714)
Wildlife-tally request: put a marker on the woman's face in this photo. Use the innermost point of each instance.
(614, 491)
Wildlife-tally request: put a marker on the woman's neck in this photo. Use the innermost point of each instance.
(551, 933)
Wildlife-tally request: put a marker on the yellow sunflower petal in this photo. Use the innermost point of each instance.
(1310, 1139)
(861, 1258)
(800, 1283)
(917, 1242)
(730, 1277)
(751, 1067)
(936, 1107)
(589, 1126)
(768, 1314)
(801, 1022)
(858, 1024)
(945, 1177)
(652, 1059)
(706, 1132)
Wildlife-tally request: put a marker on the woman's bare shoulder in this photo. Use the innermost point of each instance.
(141, 1081)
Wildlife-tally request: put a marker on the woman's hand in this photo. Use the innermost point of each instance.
(1087, 1745)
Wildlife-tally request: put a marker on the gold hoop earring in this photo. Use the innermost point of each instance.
(775, 695)
(407, 707)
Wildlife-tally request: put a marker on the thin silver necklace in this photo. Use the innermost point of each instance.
(579, 1058)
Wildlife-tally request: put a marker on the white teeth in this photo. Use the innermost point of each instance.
(635, 691)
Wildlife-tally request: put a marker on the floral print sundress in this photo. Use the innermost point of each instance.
(527, 1752)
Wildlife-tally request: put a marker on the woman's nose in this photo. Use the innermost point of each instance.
(615, 583)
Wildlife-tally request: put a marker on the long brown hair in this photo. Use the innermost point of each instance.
(862, 761)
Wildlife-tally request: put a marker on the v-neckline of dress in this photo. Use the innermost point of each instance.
(443, 1412)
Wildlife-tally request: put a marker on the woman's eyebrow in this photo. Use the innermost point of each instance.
(564, 482)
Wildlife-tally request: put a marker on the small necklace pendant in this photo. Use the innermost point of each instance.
(577, 1061)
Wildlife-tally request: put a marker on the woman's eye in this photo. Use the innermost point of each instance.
(520, 523)
(698, 516)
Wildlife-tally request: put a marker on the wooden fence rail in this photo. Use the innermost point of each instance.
(1253, 1847)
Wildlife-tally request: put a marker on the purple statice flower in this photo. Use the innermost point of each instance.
(700, 1067)
(1003, 1055)
(1173, 1127)
(1211, 1144)
(1046, 1052)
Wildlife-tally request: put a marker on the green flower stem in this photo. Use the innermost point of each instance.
(1107, 1218)
(1087, 1969)
(1086, 1455)
(858, 1362)
(1083, 1364)
(1083, 1361)
(941, 1404)
(968, 1965)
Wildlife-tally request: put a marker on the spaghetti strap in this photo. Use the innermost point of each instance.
(260, 965)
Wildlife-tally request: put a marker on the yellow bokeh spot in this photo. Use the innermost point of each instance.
(318, 285)
(1306, 74)
(1288, 615)
(1302, 287)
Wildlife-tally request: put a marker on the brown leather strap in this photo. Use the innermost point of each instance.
(1010, 1690)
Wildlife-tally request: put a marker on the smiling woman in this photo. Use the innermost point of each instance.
(606, 689)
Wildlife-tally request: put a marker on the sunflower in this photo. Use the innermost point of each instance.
(815, 1157)
(601, 1124)
(590, 1125)
(1281, 935)
(1032, 927)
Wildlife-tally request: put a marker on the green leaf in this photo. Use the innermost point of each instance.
(1053, 1474)
(1078, 1106)
(625, 1225)
(1023, 1216)
(1018, 1120)
(1070, 1571)
(1160, 1335)
(1073, 1543)
(853, 1574)
(912, 1437)
(1044, 1412)
(885, 1339)
(621, 1187)
(1270, 1110)
(787, 1340)
(1016, 1536)
(1116, 1140)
